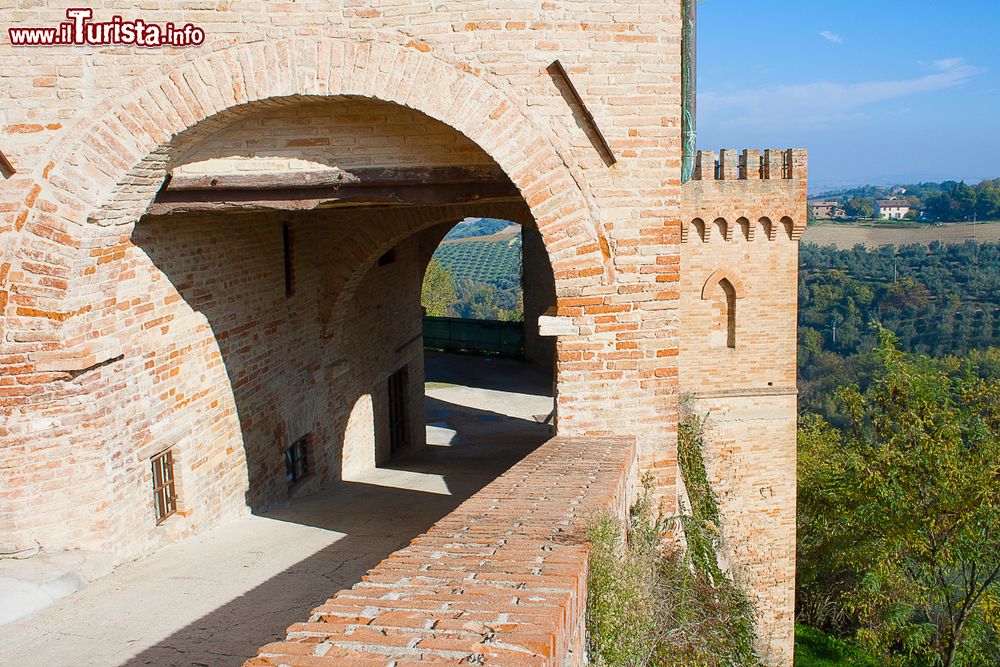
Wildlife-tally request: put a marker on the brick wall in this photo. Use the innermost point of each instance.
(105, 359)
(501, 580)
(742, 226)
(339, 133)
(95, 130)
(539, 295)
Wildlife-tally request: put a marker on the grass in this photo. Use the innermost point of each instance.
(438, 385)
(816, 649)
(647, 605)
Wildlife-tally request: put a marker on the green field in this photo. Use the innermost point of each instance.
(815, 649)
(492, 261)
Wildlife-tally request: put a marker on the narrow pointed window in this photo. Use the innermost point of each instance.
(728, 311)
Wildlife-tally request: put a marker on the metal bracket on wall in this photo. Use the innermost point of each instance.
(559, 74)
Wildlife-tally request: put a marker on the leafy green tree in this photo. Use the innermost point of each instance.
(437, 294)
(965, 198)
(859, 207)
(988, 201)
(899, 513)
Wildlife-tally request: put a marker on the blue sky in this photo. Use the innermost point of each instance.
(879, 91)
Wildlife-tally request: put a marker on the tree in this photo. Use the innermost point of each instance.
(988, 200)
(859, 207)
(965, 198)
(899, 515)
(437, 294)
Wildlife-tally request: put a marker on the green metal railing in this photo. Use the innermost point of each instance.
(483, 336)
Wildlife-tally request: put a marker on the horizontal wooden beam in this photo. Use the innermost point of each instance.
(309, 190)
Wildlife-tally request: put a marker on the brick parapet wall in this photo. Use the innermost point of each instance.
(499, 581)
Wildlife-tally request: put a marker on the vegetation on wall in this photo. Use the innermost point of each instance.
(899, 483)
(650, 603)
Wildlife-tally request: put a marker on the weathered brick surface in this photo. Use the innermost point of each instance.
(499, 581)
(116, 118)
(121, 335)
(219, 364)
(745, 229)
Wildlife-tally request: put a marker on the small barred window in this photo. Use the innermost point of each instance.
(164, 490)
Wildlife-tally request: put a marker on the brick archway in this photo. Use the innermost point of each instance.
(728, 274)
(99, 180)
(408, 224)
(74, 355)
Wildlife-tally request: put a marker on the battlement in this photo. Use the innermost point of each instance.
(741, 191)
(751, 165)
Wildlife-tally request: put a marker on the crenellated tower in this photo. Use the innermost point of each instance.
(742, 216)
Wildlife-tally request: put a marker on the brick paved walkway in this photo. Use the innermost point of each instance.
(214, 599)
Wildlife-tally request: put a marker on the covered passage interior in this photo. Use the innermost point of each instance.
(286, 377)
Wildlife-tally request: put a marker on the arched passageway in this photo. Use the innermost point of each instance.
(280, 331)
(277, 195)
(292, 244)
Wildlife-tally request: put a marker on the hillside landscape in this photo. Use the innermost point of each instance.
(897, 326)
(476, 272)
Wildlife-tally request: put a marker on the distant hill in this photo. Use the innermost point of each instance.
(948, 201)
(496, 261)
(477, 227)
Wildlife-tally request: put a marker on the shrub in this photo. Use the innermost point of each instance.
(816, 649)
(650, 604)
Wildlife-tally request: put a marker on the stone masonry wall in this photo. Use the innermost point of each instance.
(742, 226)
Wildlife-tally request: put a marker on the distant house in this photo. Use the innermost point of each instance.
(825, 210)
(891, 209)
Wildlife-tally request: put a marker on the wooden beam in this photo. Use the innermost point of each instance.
(6, 168)
(308, 190)
(559, 73)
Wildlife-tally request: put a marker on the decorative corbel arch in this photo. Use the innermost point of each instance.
(724, 228)
(789, 227)
(767, 227)
(746, 228)
(701, 229)
(739, 287)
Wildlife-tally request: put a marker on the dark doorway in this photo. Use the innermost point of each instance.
(399, 432)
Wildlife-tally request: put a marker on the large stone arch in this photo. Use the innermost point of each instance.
(101, 177)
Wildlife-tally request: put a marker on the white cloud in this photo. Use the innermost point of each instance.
(831, 37)
(811, 103)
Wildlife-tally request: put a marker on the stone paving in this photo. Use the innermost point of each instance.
(214, 599)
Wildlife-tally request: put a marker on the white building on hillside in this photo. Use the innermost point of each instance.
(891, 209)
